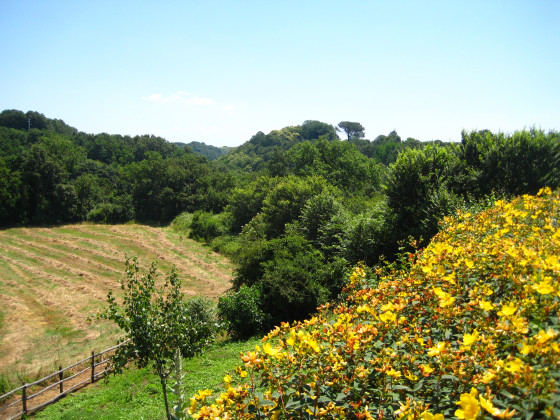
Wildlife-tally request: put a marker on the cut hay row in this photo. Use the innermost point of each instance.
(52, 279)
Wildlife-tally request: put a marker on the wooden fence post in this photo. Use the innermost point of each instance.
(24, 398)
(60, 377)
(92, 366)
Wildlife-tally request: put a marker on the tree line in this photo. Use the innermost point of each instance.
(294, 208)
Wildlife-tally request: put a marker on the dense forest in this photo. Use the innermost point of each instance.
(294, 208)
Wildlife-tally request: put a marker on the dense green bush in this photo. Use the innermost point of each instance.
(286, 201)
(182, 223)
(246, 202)
(417, 180)
(228, 245)
(120, 211)
(207, 226)
(520, 163)
(242, 312)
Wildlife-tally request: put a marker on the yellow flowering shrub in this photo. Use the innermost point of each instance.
(471, 330)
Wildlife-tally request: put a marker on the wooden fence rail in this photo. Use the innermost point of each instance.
(22, 402)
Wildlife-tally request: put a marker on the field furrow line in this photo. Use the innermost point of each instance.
(53, 263)
(66, 239)
(53, 278)
(83, 228)
(187, 261)
(70, 256)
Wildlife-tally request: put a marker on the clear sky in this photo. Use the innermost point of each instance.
(220, 71)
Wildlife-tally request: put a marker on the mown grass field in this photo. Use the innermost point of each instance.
(52, 279)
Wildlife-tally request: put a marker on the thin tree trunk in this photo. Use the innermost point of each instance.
(164, 386)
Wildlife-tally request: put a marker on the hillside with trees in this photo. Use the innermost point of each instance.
(294, 208)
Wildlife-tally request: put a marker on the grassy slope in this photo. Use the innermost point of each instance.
(51, 279)
(136, 394)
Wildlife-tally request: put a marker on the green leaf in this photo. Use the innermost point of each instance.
(402, 387)
(418, 386)
(340, 397)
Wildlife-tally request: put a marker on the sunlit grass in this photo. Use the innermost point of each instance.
(136, 394)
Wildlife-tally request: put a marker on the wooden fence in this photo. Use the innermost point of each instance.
(21, 407)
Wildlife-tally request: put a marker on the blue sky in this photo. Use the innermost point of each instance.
(220, 71)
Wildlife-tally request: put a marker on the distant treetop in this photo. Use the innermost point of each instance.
(352, 129)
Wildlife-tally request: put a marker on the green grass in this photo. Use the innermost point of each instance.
(136, 394)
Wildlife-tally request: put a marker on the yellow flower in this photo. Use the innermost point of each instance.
(508, 310)
(486, 305)
(427, 268)
(495, 411)
(526, 349)
(469, 406)
(544, 191)
(488, 406)
(388, 317)
(470, 339)
(542, 337)
(388, 307)
(393, 373)
(367, 415)
(292, 340)
(488, 377)
(515, 366)
(426, 415)
(544, 287)
(363, 308)
(448, 300)
(404, 409)
(520, 324)
(411, 376)
(267, 348)
(251, 359)
(426, 369)
(437, 349)
(313, 344)
(451, 277)
(445, 298)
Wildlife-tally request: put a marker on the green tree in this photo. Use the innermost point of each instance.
(418, 180)
(277, 163)
(12, 118)
(36, 120)
(313, 130)
(41, 174)
(352, 129)
(521, 163)
(286, 201)
(10, 195)
(245, 202)
(158, 323)
(242, 312)
(296, 279)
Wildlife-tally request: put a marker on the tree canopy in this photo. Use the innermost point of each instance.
(352, 129)
(294, 208)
